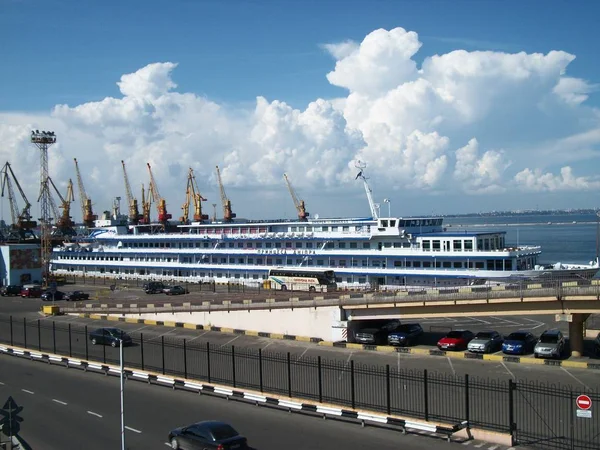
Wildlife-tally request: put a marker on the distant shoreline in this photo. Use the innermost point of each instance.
(559, 212)
(529, 224)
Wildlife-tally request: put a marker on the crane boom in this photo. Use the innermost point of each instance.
(146, 205)
(228, 216)
(198, 199)
(87, 213)
(21, 220)
(134, 212)
(372, 205)
(63, 221)
(161, 204)
(7, 185)
(299, 204)
(185, 217)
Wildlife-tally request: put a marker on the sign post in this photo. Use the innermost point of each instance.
(10, 419)
(584, 406)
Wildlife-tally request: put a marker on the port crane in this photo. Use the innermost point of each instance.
(228, 216)
(132, 203)
(64, 224)
(22, 226)
(146, 205)
(299, 204)
(161, 203)
(197, 197)
(87, 214)
(361, 166)
(185, 217)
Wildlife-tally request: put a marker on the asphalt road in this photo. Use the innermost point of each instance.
(72, 409)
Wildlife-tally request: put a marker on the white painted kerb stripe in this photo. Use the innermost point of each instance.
(193, 386)
(371, 418)
(94, 366)
(223, 391)
(256, 398)
(291, 405)
(140, 375)
(165, 380)
(36, 355)
(55, 358)
(114, 370)
(330, 411)
(18, 352)
(75, 362)
(420, 426)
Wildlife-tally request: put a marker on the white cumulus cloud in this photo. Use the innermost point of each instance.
(536, 180)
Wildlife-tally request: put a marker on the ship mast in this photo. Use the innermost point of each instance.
(374, 206)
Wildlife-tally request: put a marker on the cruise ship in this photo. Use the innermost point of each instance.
(392, 252)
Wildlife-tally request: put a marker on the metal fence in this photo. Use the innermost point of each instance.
(537, 414)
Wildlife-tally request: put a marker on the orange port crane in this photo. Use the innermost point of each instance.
(64, 224)
(21, 220)
(185, 217)
(228, 216)
(198, 199)
(161, 203)
(87, 214)
(299, 204)
(134, 212)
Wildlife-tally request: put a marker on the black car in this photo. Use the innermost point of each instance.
(154, 287)
(11, 289)
(175, 290)
(406, 334)
(376, 332)
(207, 435)
(110, 336)
(48, 296)
(76, 295)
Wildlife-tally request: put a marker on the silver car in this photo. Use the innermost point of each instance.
(551, 344)
(486, 342)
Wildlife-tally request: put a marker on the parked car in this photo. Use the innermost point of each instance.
(376, 332)
(76, 296)
(175, 290)
(31, 291)
(550, 344)
(486, 342)
(48, 296)
(456, 340)
(406, 334)
(154, 287)
(207, 435)
(11, 289)
(110, 336)
(597, 345)
(519, 343)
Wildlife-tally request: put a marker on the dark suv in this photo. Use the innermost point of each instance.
(11, 289)
(154, 287)
(406, 334)
(376, 332)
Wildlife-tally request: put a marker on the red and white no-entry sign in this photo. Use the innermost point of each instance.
(583, 402)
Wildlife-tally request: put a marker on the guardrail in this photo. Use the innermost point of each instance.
(531, 411)
(558, 293)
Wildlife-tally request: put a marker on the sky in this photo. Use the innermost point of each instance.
(454, 106)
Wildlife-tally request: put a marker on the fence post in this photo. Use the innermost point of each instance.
(233, 361)
(104, 353)
(54, 336)
(388, 394)
(208, 359)
(142, 349)
(572, 425)
(511, 409)
(289, 374)
(25, 332)
(184, 360)
(320, 380)
(162, 345)
(39, 335)
(86, 344)
(352, 391)
(467, 411)
(425, 395)
(11, 331)
(70, 344)
(260, 372)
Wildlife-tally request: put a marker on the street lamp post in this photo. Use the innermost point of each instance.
(389, 202)
(122, 373)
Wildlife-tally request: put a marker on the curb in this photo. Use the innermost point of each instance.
(465, 355)
(194, 326)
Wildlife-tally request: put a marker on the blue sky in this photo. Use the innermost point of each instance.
(59, 51)
(265, 87)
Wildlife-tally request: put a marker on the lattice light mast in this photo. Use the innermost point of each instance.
(43, 140)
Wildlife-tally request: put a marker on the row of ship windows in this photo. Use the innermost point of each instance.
(435, 245)
(492, 264)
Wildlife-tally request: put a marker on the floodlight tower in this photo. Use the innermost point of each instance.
(43, 140)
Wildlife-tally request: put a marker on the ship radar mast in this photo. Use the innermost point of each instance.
(361, 166)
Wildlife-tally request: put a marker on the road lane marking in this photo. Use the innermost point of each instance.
(540, 324)
(59, 402)
(94, 414)
(164, 334)
(451, 366)
(577, 379)
(303, 353)
(268, 345)
(345, 365)
(132, 429)
(1, 383)
(480, 320)
(29, 392)
(140, 328)
(200, 335)
(167, 444)
(508, 370)
(230, 341)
